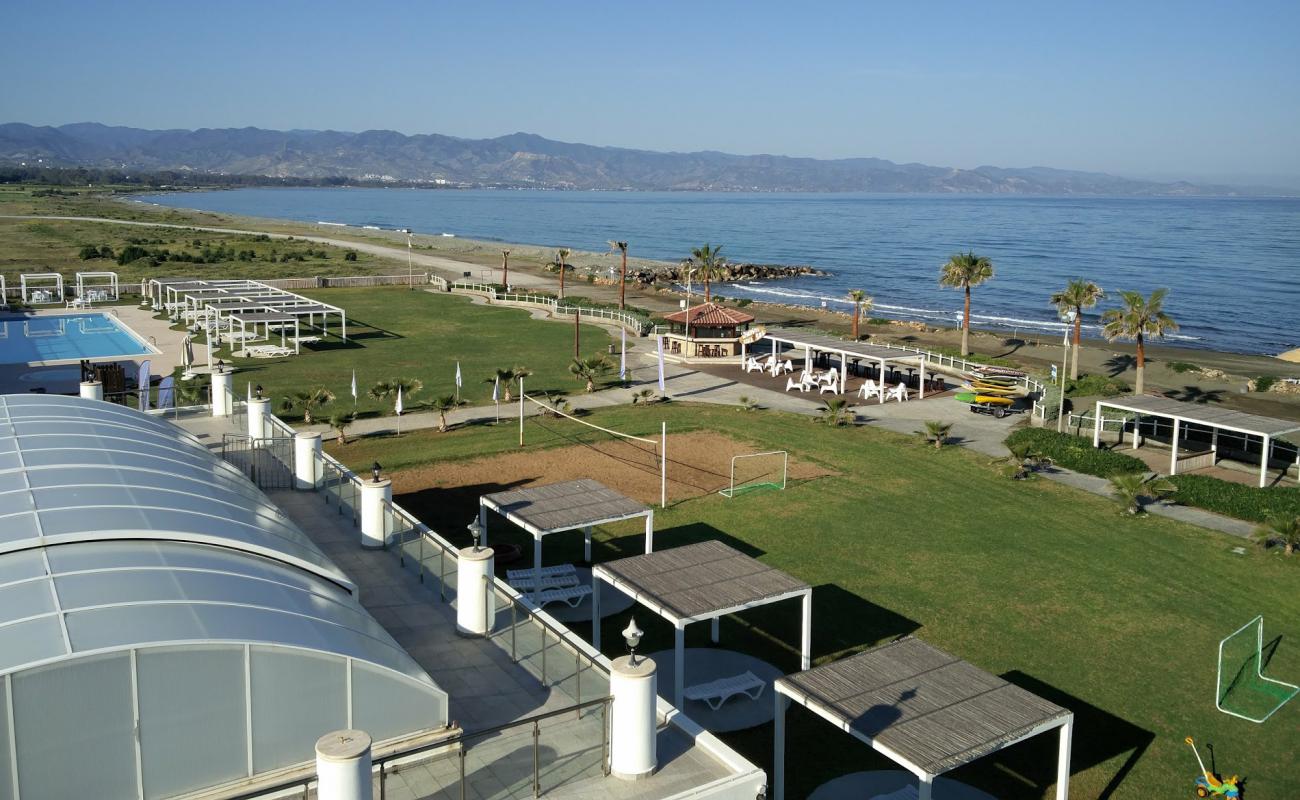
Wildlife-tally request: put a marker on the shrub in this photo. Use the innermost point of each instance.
(350, 255)
(744, 301)
(877, 321)
(1074, 453)
(1237, 499)
(1096, 385)
(1183, 366)
(88, 252)
(1263, 383)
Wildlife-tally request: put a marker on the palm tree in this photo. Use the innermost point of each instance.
(306, 400)
(1139, 318)
(590, 369)
(1132, 490)
(963, 271)
(862, 303)
(386, 389)
(837, 412)
(560, 256)
(519, 372)
(1077, 295)
(1024, 461)
(442, 404)
(936, 431)
(622, 275)
(1280, 530)
(709, 265)
(339, 421)
(504, 377)
(505, 268)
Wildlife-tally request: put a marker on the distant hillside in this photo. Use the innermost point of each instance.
(525, 160)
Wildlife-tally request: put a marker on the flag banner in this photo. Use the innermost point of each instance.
(354, 386)
(398, 407)
(457, 374)
(166, 393)
(622, 358)
(496, 388)
(142, 384)
(660, 341)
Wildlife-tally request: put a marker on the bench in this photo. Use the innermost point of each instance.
(573, 596)
(717, 692)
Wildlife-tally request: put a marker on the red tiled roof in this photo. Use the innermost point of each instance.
(711, 315)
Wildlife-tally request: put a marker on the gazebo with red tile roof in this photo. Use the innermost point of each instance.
(708, 330)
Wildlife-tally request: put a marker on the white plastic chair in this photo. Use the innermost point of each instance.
(752, 365)
(831, 387)
(898, 393)
(791, 383)
(787, 366)
(868, 389)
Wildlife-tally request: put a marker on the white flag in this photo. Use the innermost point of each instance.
(250, 391)
(622, 358)
(457, 374)
(660, 340)
(496, 387)
(354, 385)
(399, 401)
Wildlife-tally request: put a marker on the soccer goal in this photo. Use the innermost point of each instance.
(1243, 690)
(755, 471)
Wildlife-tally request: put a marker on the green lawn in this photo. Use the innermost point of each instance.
(398, 333)
(1117, 618)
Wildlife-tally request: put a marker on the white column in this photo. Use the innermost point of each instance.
(258, 409)
(924, 787)
(306, 455)
(633, 723)
(1137, 427)
(1063, 761)
(475, 600)
(1173, 449)
(586, 544)
(1214, 446)
(1096, 426)
(805, 642)
(343, 766)
(537, 565)
(92, 390)
(222, 381)
(679, 663)
(595, 611)
(650, 532)
(482, 524)
(715, 625)
(922, 379)
(743, 350)
(1263, 462)
(882, 381)
(375, 497)
(778, 746)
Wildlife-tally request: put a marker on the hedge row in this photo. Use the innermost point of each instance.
(1073, 452)
(1236, 499)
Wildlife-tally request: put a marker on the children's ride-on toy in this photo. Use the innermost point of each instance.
(1209, 784)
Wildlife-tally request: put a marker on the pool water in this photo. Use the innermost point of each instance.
(66, 337)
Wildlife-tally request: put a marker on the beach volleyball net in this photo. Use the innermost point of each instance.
(641, 453)
(757, 471)
(1243, 690)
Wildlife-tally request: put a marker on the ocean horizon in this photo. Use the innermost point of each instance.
(1230, 263)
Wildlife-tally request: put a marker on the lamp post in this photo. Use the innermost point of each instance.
(410, 267)
(1065, 356)
(374, 472)
(476, 531)
(258, 390)
(632, 636)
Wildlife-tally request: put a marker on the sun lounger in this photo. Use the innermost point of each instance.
(547, 582)
(304, 339)
(267, 351)
(558, 569)
(572, 596)
(717, 692)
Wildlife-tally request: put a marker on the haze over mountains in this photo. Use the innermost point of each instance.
(526, 160)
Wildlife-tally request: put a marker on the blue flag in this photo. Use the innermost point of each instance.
(166, 392)
(142, 384)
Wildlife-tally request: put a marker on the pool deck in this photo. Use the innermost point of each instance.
(63, 378)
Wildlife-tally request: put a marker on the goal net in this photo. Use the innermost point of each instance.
(1243, 690)
(757, 471)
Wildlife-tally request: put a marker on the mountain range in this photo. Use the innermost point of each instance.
(526, 160)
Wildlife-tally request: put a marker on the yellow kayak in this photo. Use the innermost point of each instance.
(984, 399)
(983, 388)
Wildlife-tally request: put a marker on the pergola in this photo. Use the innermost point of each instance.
(811, 343)
(926, 710)
(47, 286)
(566, 506)
(696, 582)
(266, 319)
(1184, 415)
(217, 298)
(96, 283)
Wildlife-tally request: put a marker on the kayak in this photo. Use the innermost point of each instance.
(1004, 391)
(1002, 372)
(973, 398)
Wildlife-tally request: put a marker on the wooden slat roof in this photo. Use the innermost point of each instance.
(1203, 414)
(696, 581)
(821, 341)
(928, 706)
(564, 506)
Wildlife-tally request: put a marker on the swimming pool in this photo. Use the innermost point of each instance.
(66, 337)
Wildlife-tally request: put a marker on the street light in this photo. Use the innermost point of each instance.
(632, 635)
(374, 471)
(410, 269)
(476, 531)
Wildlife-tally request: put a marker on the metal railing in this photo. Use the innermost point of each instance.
(448, 766)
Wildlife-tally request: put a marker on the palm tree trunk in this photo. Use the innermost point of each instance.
(965, 326)
(622, 283)
(708, 296)
(857, 310)
(442, 420)
(1074, 361)
(577, 314)
(1141, 363)
(505, 270)
(561, 278)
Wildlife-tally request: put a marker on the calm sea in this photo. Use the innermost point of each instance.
(1232, 264)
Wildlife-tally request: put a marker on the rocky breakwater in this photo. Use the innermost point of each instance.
(731, 272)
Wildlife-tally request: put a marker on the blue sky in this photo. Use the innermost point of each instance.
(1203, 90)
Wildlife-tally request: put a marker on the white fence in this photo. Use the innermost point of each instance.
(634, 322)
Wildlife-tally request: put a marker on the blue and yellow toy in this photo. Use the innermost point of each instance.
(1209, 784)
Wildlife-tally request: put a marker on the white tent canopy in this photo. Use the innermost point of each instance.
(42, 287)
(812, 343)
(97, 286)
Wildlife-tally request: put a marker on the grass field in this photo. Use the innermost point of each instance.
(1117, 618)
(398, 333)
